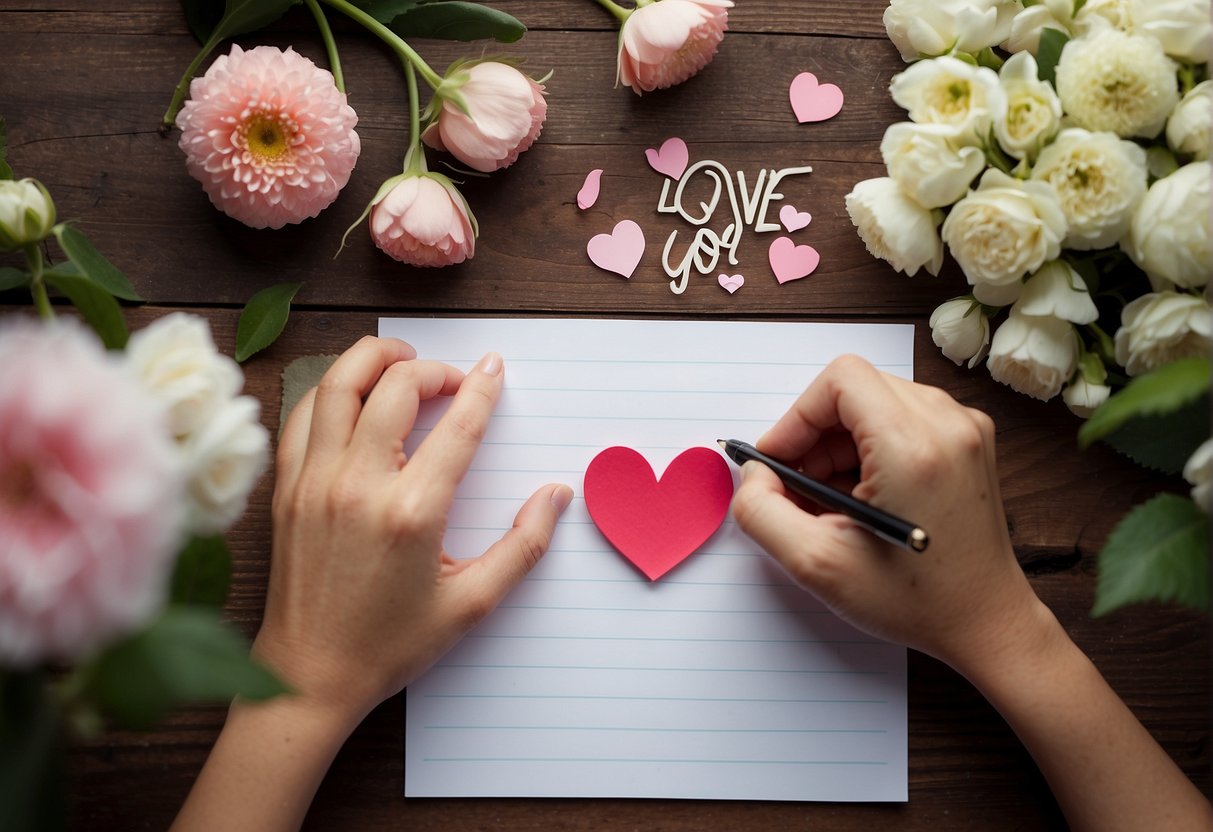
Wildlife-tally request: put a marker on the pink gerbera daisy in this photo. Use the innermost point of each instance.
(269, 136)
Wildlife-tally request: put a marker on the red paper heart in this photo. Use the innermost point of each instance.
(655, 523)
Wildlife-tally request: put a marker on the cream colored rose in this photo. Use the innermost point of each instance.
(928, 28)
(1181, 26)
(1005, 229)
(27, 213)
(224, 459)
(1034, 356)
(1169, 233)
(1161, 327)
(925, 161)
(961, 330)
(894, 227)
(1191, 121)
(1033, 113)
(950, 91)
(1100, 179)
(176, 359)
(1057, 291)
(1123, 84)
(1082, 396)
(1028, 25)
(1198, 471)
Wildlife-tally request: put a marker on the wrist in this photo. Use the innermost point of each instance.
(321, 690)
(1025, 646)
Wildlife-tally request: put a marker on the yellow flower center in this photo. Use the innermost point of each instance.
(266, 138)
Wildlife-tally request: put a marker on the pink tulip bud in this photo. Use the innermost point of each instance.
(423, 220)
(666, 42)
(505, 112)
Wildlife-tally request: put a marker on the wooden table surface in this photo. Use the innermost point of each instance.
(83, 87)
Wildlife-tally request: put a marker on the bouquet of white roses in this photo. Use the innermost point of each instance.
(1059, 150)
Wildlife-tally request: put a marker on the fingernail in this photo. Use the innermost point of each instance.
(490, 364)
(562, 495)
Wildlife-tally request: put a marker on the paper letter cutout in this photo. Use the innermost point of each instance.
(730, 282)
(655, 523)
(671, 159)
(620, 251)
(790, 261)
(794, 220)
(588, 194)
(812, 101)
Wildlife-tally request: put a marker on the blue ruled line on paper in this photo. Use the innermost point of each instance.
(630, 669)
(658, 760)
(605, 697)
(643, 730)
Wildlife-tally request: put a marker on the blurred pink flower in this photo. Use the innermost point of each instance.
(269, 136)
(90, 495)
(423, 220)
(667, 42)
(506, 109)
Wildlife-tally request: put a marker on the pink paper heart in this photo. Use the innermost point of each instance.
(730, 282)
(794, 220)
(588, 194)
(620, 251)
(812, 101)
(671, 159)
(790, 261)
(657, 523)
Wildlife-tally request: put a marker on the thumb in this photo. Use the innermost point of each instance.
(507, 562)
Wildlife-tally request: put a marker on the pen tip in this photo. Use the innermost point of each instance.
(721, 443)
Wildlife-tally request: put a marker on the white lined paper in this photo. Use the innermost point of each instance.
(723, 679)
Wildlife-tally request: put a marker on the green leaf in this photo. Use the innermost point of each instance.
(33, 782)
(1078, 4)
(263, 319)
(243, 16)
(1052, 41)
(1165, 390)
(95, 303)
(202, 573)
(458, 20)
(6, 172)
(1165, 441)
(11, 278)
(186, 656)
(1158, 552)
(202, 16)
(92, 264)
(385, 11)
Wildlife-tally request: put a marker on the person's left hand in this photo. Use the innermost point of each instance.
(362, 597)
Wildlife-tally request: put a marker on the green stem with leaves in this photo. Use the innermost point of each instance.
(183, 86)
(621, 14)
(37, 287)
(389, 37)
(330, 45)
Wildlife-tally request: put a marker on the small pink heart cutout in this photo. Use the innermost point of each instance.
(794, 220)
(620, 251)
(790, 261)
(730, 282)
(588, 194)
(812, 101)
(671, 159)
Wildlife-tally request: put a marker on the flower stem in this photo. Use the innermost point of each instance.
(414, 158)
(37, 287)
(330, 45)
(621, 14)
(389, 37)
(183, 86)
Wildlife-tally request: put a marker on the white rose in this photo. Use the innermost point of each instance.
(923, 160)
(1034, 356)
(1124, 84)
(1199, 472)
(224, 458)
(1181, 26)
(1028, 25)
(27, 213)
(1191, 121)
(175, 358)
(1100, 179)
(961, 330)
(894, 227)
(1033, 112)
(1057, 291)
(1082, 396)
(1169, 232)
(1158, 328)
(1003, 230)
(927, 28)
(950, 91)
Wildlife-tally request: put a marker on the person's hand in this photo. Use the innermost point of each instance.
(921, 456)
(362, 597)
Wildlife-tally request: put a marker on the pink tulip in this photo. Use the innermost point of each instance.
(505, 112)
(423, 220)
(666, 42)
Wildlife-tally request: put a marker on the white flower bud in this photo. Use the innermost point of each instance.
(961, 330)
(1191, 121)
(27, 213)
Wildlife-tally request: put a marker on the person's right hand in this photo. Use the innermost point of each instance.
(923, 457)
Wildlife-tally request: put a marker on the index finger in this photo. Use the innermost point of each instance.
(439, 463)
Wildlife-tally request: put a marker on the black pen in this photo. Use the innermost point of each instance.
(880, 523)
